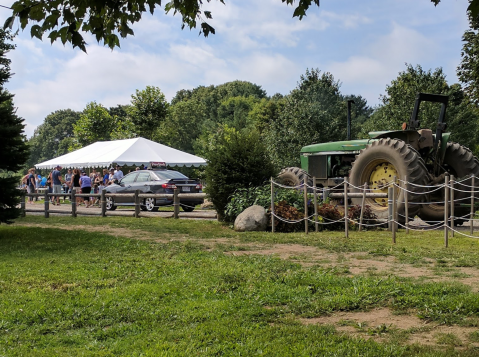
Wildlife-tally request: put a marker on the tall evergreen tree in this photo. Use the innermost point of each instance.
(13, 148)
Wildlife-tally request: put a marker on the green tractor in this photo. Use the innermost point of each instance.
(421, 156)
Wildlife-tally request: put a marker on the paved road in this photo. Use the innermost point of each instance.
(38, 209)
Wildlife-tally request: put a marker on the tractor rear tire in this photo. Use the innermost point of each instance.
(460, 162)
(294, 176)
(373, 163)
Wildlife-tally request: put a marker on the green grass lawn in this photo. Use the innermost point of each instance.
(81, 293)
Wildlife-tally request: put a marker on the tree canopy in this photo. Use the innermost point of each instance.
(13, 149)
(107, 21)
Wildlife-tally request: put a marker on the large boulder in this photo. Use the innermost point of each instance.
(251, 219)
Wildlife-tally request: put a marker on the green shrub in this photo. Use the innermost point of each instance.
(236, 159)
(243, 198)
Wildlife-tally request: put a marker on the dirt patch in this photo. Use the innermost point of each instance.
(382, 325)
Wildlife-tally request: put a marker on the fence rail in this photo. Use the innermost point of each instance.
(450, 187)
(137, 197)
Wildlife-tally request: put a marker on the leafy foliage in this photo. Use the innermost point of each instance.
(329, 213)
(95, 124)
(53, 137)
(398, 103)
(236, 159)
(243, 198)
(314, 112)
(13, 148)
(369, 217)
(67, 19)
(289, 213)
(148, 111)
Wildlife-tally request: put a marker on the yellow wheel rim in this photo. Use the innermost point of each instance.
(379, 179)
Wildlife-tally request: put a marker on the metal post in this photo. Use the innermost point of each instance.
(473, 188)
(390, 208)
(446, 213)
(325, 194)
(73, 201)
(305, 195)
(363, 201)
(103, 203)
(137, 204)
(47, 204)
(176, 203)
(394, 209)
(346, 222)
(451, 183)
(272, 205)
(406, 203)
(316, 228)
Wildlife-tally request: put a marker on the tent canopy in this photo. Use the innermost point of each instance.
(130, 152)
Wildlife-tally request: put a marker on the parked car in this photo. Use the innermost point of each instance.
(154, 181)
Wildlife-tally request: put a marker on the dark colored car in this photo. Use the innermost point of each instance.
(154, 181)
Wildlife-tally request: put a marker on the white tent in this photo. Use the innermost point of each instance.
(130, 152)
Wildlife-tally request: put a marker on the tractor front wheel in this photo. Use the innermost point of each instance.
(378, 164)
(294, 176)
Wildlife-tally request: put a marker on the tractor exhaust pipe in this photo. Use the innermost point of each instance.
(349, 118)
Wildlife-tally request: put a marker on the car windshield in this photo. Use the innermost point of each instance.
(168, 175)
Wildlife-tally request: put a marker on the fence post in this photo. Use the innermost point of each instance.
(406, 203)
(103, 203)
(390, 208)
(451, 197)
(346, 222)
(363, 201)
(47, 204)
(22, 205)
(176, 203)
(272, 205)
(73, 201)
(137, 204)
(316, 228)
(446, 209)
(325, 194)
(305, 195)
(394, 210)
(473, 189)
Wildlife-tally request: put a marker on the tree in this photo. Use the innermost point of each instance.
(473, 7)
(234, 111)
(183, 125)
(314, 112)
(398, 103)
(95, 124)
(468, 70)
(53, 137)
(67, 19)
(13, 150)
(236, 159)
(147, 111)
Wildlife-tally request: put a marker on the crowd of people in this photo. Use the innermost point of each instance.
(73, 179)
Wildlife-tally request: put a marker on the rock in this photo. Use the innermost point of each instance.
(251, 219)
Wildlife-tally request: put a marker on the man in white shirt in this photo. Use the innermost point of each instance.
(118, 175)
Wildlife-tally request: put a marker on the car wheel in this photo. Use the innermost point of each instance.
(187, 207)
(150, 205)
(110, 204)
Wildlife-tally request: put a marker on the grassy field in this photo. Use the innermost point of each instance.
(115, 286)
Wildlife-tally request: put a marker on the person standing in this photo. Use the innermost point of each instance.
(31, 184)
(75, 183)
(68, 181)
(85, 183)
(106, 177)
(118, 174)
(57, 181)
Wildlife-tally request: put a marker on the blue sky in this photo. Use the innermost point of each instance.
(364, 44)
